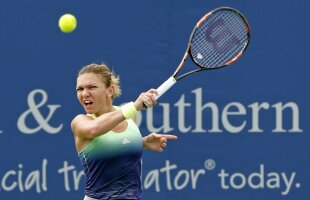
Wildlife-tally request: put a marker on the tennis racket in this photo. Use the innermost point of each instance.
(218, 40)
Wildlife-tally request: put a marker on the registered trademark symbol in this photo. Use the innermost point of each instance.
(210, 164)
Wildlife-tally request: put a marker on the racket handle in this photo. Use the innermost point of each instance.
(165, 86)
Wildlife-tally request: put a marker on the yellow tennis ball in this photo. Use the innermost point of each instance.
(67, 23)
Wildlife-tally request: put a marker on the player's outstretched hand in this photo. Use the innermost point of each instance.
(157, 142)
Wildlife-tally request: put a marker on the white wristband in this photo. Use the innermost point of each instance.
(129, 110)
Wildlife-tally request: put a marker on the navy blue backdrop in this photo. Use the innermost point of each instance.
(243, 131)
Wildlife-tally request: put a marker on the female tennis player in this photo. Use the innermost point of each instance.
(108, 142)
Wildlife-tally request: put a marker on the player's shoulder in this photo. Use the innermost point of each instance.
(116, 107)
(79, 117)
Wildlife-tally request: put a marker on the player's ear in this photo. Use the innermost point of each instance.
(111, 90)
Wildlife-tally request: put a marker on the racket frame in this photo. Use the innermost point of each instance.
(188, 50)
(173, 79)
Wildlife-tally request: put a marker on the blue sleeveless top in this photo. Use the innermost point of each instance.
(112, 164)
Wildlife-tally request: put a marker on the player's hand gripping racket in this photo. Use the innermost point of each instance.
(218, 40)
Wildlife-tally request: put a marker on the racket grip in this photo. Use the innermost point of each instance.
(165, 86)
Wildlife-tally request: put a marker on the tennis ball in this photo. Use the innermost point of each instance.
(67, 23)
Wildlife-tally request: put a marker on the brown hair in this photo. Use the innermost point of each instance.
(105, 74)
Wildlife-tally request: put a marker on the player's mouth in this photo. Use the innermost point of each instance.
(88, 103)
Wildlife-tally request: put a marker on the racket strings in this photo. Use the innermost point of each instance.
(219, 48)
(218, 45)
(219, 39)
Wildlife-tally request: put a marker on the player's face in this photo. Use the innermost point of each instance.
(93, 95)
